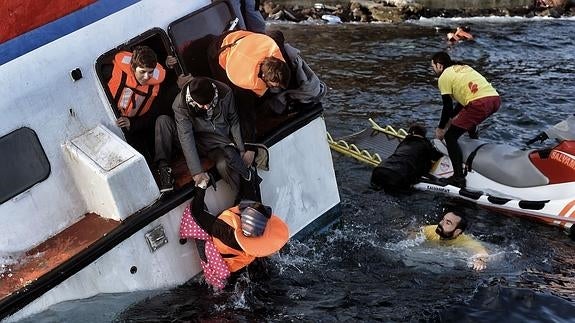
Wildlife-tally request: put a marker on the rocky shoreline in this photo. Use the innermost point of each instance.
(400, 10)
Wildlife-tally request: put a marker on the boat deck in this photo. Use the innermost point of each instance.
(63, 246)
(53, 252)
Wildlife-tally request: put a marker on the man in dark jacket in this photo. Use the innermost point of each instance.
(411, 159)
(208, 126)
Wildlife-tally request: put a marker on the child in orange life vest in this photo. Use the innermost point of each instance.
(241, 233)
(134, 86)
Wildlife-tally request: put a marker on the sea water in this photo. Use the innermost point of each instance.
(371, 265)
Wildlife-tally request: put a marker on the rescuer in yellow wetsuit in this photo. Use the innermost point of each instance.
(449, 232)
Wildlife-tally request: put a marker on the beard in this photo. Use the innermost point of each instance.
(441, 232)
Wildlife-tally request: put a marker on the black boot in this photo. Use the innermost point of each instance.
(455, 180)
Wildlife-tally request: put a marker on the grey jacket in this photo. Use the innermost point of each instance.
(198, 134)
(309, 88)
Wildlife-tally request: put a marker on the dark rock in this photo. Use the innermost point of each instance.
(395, 11)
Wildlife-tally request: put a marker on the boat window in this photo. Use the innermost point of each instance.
(191, 35)
(158, 41)
(23, 162)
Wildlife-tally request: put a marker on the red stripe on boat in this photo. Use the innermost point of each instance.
(21, 16)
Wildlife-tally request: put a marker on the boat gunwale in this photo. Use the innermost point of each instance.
(134, 223)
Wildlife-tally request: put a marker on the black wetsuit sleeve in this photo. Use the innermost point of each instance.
(446, 111)
(203, 218)
(456, 110)
(212, 225)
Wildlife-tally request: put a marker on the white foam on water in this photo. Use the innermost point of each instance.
(488, 19)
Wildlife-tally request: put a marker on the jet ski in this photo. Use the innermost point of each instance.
(534, 183)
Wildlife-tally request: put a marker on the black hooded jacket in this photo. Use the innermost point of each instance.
(412, 159)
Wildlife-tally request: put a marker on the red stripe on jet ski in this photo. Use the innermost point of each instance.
(559, 164)
(21, 16)
(567, 208)
(564, 224)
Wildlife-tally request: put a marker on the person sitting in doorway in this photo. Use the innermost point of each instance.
(450, 232)
(240, 234)
(134, 86)
(411, 160)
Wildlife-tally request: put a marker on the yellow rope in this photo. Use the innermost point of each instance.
(346, 149)
(400, 133)
(363, 155)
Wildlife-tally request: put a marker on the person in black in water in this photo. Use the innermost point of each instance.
(412, 159)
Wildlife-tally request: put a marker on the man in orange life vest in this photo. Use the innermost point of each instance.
(134, 86)
(252, 64)
(240, 234)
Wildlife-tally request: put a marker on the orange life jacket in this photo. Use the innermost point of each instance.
(235, 259)
(131, 98)
(460, 34)
(241, 54)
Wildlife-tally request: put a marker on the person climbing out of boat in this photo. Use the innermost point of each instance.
(460, 34)
(476, 100)
(450, 232)
(411, 160)
(304, 87)
(233, 239)
(208, 126)
(251, 64)
(134, 86)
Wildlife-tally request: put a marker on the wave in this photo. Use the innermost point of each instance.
(492, 19)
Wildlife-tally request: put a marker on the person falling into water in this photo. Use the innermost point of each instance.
(460, 34)
(233, 239)
(449, 232)
(411, 160)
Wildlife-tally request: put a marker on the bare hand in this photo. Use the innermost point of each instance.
(248, 157)
(183, 79)
(200, 178)
(439, 133)
(171, 61)
(479, 264)
(123, 122)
